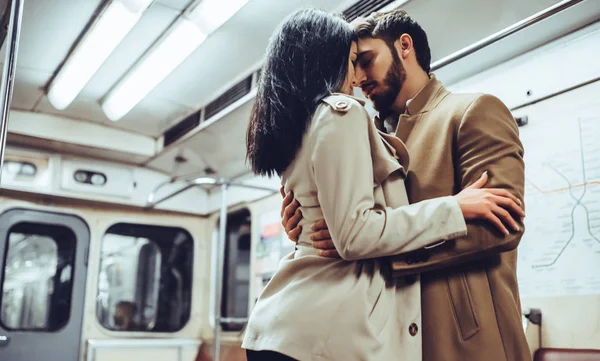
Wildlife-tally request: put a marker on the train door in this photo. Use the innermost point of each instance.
(43, 260)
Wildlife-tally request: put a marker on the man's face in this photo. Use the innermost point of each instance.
(121, 316)
(379, 72)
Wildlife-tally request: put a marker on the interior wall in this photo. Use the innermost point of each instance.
(55, 169)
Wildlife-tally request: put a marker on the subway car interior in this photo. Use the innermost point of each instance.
(131, 226)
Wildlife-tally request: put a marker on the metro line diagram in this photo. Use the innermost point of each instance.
(578, 203)
(561, 244)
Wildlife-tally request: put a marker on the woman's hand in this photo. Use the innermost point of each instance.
(492, 204)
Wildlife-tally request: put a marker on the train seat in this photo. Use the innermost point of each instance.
(565, 354)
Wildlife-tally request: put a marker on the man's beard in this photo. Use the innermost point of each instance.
(392, 84)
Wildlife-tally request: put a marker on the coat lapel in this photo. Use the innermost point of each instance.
(425, 100)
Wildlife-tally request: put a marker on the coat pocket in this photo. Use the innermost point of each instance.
(462, 305)
(380, 311)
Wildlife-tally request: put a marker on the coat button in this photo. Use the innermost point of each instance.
(341, 105)
(413, 329)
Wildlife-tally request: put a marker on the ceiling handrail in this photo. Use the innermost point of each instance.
(516, 27)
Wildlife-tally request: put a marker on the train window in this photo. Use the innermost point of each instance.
(38, 277)
(236, 270)
(145, 278)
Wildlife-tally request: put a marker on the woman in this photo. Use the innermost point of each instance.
(341, 169)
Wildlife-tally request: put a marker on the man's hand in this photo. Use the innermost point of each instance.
(321, 240)
(291, 215)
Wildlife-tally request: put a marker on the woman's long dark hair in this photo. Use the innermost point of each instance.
(307, 59)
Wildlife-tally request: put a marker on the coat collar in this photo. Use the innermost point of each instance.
(362, 102)
(426, 99)
(393, 145)
(397, 149)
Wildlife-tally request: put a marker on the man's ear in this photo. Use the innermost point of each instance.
(404, 45)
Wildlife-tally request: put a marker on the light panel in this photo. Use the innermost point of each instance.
(115, 22)
(184, 38)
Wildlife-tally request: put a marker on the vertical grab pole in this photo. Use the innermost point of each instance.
(8, 71)
(219, 274)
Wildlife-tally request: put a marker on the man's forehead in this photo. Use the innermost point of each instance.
(369, 44)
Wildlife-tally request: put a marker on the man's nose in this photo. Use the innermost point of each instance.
(359, 77)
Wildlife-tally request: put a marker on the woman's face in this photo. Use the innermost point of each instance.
(350, 82)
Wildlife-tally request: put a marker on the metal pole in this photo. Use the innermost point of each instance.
(219, 274)
(533, 19)
(8, 71)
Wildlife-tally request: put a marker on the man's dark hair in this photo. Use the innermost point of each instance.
(307, 60)
(127, 306)
(389, 26)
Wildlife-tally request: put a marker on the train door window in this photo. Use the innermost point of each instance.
(38, 273)
(145, 278)
(236, 270)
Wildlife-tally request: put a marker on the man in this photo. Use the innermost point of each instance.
(469, 293)
(123, 317)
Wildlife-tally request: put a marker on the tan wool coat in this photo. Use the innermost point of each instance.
(469, 292)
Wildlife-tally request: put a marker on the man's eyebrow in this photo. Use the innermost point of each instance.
(361, 54)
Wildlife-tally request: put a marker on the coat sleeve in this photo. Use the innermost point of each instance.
(487, 140)
(343, 174)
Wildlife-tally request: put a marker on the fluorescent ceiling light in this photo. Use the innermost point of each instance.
(171, 51)
(111, 27)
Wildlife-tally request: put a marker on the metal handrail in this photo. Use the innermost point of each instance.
(151, 202)
(516, 27)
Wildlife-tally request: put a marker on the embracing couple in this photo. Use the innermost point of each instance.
(406, 226)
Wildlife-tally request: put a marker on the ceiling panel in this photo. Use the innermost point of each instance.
(148, 119)
(152, 115)
(81, 108)
(179, 5)
(27, 90)
(221, 146)
(49, 30)
(193, 166)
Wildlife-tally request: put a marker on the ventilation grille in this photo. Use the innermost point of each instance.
(364, 7)
(232, 95)
(180, 129)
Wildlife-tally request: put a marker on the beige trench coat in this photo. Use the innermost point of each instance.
(316, 308)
